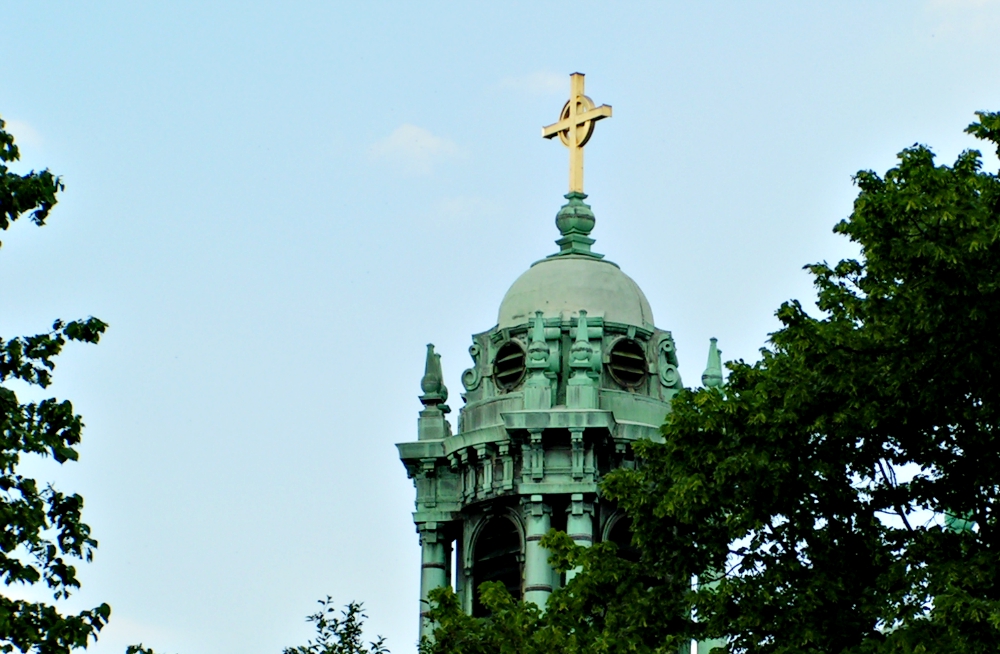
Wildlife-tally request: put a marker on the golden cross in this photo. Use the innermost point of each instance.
(575, 127)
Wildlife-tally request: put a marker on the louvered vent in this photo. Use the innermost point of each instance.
(508, 366)
(628, 362)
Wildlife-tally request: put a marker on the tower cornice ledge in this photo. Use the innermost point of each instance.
(421, 449)
(527, 488)
(442, 515)
(559, 418)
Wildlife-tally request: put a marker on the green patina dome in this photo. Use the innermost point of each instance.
(563, 285)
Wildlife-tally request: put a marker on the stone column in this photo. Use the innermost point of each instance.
(706, 646)
(707, 580)
(579, 525)
(433, 569)
(537, 573)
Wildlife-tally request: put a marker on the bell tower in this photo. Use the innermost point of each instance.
(574, 371)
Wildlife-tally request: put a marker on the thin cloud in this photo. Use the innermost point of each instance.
(457, 210)
(414, 149)
(464, 206)
(963, 20)
(962, 4)
(538, 83)
(24, 134)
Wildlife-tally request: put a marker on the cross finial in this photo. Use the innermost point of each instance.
(575, 127)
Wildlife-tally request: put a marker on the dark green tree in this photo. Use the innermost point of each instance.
(839, 495)
(42, 529)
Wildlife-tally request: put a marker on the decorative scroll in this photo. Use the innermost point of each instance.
(471, 378)
(667, 359)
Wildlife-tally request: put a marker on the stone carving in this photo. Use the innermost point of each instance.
(472, 377)
(667, 362)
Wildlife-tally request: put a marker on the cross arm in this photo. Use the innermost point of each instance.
(597, 113)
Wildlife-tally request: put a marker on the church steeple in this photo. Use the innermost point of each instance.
(573, 373)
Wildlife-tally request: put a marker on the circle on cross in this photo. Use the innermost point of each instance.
(584, 129)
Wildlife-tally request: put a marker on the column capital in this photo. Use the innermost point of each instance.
(536, 506)
(430, 532)
(578, 505)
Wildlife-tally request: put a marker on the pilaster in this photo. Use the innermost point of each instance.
(484, 453)
(576, 442)
(507, 461)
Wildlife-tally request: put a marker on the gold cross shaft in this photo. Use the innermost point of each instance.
(575, 127)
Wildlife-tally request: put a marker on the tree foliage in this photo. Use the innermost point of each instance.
(811, 489)
(43, 532)
(138, 649)
(614, 606)
(837, 496)
(33, 193)
(339, 635)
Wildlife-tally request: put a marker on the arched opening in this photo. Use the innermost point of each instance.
(496, 557)
(621, 535)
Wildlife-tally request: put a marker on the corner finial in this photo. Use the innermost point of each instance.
(432, 383)
(712, 377)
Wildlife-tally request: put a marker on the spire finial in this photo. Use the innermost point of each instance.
(575, 219)
(712, 377)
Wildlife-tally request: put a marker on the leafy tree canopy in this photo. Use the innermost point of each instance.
(339, 635)
(33, 194)
(841, 493)
(837, 496)
(42, 529)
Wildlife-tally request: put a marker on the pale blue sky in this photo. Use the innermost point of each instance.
(276, 205)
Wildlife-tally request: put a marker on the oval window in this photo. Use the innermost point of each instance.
(627, 362)
(508, 366)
